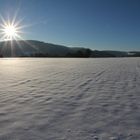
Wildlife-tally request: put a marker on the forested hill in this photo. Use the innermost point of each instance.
(33, 48)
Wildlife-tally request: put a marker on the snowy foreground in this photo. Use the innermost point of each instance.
(70, 99)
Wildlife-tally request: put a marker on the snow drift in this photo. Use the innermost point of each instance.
(70, 99)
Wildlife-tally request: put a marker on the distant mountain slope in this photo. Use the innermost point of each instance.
(30, 47)
(33, 48)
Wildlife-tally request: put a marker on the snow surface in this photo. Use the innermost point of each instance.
(70, 99)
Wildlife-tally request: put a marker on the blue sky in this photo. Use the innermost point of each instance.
(97, 24)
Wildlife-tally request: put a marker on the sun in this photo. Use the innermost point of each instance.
(10, 30)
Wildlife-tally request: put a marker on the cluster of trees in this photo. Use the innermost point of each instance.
(80, 53)
(84, 53)
(134, 54)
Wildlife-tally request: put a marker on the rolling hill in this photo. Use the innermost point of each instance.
(33, 48)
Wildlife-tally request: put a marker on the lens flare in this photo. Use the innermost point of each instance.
(10, 30)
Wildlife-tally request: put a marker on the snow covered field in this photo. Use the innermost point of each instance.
(70, 99)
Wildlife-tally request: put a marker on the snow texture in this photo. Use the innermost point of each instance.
(70, 99)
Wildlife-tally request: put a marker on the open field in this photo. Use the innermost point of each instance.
(70, 99)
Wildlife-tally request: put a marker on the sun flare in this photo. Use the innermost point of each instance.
(10, 30)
